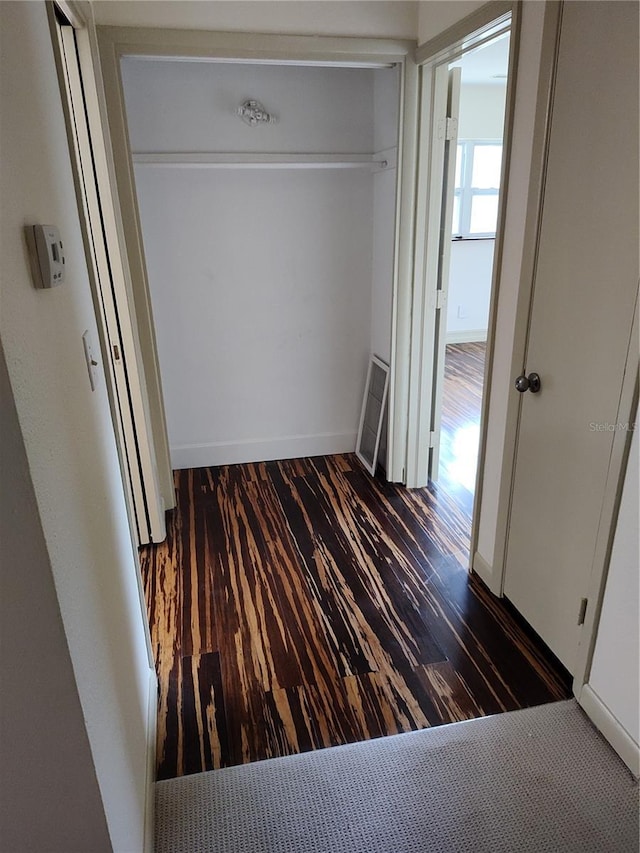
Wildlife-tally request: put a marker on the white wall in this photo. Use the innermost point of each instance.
(190, 106)
(262, 306)
(481, 110)
(261, 279)
(49, 799)
(384, 210)
(384, 18)
(615, 669)
(481, 117)
(71, 453)
(469, 290)
(386, 87)
(435, 16)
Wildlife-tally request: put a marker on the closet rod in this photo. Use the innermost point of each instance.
(259, 161)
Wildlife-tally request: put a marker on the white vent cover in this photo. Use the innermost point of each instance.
(373, 405)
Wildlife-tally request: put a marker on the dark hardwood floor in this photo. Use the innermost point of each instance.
(301, 604)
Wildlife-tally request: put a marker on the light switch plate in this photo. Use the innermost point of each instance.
(93, 365)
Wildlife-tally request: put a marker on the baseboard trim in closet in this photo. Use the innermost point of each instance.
(467, 336)
(261, 450)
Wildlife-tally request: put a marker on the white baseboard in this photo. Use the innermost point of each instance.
(610, 728)
(466, 336)
(150, 794)
(289, 447)
(485, 573)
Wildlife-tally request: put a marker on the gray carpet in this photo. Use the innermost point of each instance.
(536, 780)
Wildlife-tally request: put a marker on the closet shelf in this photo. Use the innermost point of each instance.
(210, 160)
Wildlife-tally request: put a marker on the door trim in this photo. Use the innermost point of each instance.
(627, 411)
(533, 224)
(96, 261)
(104, 248)
(472, 31)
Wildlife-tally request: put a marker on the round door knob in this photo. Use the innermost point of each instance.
(528, 383)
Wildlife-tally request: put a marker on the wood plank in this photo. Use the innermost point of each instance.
(449, 693)
(390, 702)
(364, 606)
(241, 521)
(192, 735)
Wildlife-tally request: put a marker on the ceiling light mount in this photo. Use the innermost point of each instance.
(253, 113)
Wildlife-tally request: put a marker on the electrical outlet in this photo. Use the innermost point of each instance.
(462, 312)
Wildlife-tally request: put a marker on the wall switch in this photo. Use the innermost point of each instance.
(462, 312)
(93, 364)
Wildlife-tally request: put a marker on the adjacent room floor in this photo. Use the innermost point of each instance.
(303, 604)
(460, 427)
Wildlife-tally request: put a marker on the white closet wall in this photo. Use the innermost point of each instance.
(269, 286)
(190, 106)
(386, 87)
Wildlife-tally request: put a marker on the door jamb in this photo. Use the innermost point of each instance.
(628, 407)
(79, 25)
(472, 31)
(493, 574)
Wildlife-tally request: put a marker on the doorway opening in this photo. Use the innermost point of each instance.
(466, 114)
(474, 203)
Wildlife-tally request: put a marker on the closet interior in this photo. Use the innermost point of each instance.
(267, 202)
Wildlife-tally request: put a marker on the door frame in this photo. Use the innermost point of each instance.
(471, 32)
(117, 42)
(494, 575)
(103, 265)
(126, 382)
(627, 410)
(432, 326)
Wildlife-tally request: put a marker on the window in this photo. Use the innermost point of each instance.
(475, 204)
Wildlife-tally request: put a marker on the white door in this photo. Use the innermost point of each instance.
(128, 400)
(585, 286)
(454, 78)
(436, 175)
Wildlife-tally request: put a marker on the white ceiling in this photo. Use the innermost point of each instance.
(487, 65)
